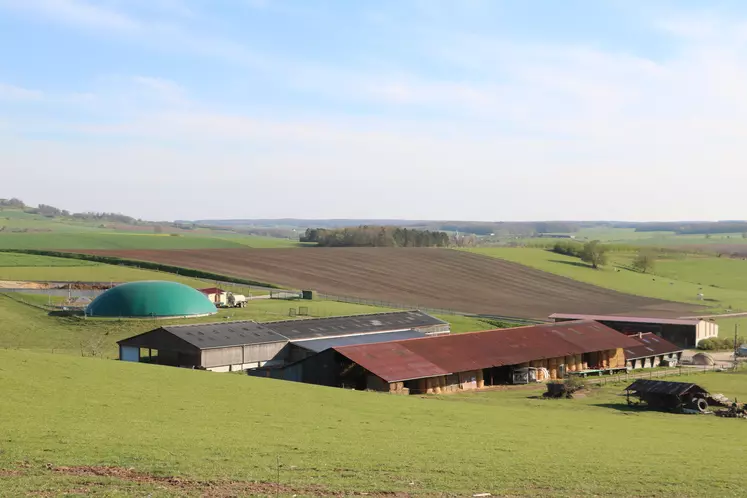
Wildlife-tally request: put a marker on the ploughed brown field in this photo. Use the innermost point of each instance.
(434, 278)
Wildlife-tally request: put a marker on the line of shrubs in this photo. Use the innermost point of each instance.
(719, 343)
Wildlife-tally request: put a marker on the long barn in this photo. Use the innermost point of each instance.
(463, 361)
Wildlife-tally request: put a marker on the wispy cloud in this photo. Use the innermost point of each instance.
(16, 93)
(75, 12)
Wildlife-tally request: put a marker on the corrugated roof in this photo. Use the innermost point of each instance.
(624, 319)
(319, 345)
(240, 333)
(650, 345)
(432, 356)
(662, 387)
(312, 328)
(220, 335)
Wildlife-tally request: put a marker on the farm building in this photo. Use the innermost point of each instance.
(241, 345)
(464, 361)
(213, 293)
(686, 333)
(652, 351)
(151, 299)
(672, 396)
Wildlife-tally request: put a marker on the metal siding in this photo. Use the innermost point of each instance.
(222, 356)
(129, 353)
(262, 352)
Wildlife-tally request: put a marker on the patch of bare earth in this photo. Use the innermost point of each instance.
(414, 277)
(207, 489)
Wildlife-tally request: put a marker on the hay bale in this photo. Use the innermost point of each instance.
(480, 379)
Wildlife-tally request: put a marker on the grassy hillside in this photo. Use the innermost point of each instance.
(107, 240)
(723, 282)
(21, 230)
(26, 327)
(233, 430)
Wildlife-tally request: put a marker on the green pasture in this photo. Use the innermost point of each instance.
(700, 276)
(23, 326)
(20, 230)
(228, 428)
(109, 240)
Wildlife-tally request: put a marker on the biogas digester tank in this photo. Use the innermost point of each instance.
(151, 299)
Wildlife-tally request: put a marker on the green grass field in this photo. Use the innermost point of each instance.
(696, 274)
(21, 230)
(108, 240)
(27, 327)
(233, 430)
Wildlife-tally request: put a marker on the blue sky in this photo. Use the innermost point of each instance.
(427, 109)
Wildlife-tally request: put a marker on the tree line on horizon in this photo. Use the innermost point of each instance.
(375, 236)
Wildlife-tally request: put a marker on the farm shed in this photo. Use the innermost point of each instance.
(241, 345)
(213, 293)
(653, 351)
(686, 333)
(672, 396)
(220, 347)
(464, 361)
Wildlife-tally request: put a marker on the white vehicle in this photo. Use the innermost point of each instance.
(231, 300)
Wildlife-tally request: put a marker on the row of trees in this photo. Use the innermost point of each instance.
(375, 236)
(53, 212)
(596, 254)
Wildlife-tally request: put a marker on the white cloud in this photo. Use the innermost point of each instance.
(15, 93)
(75, 12)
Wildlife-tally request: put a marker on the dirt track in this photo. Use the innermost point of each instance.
(435, 278)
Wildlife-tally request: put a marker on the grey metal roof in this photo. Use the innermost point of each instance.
(356, 324)
(240, 333)
(218, 335)
(319, 345)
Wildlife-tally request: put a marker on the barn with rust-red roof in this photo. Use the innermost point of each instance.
(466, 361)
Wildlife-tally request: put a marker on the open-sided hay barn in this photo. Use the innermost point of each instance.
(241, 345)
(686, 333)
(652, 351)
(464, 361)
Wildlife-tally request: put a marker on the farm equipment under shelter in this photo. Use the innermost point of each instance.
(682, 397)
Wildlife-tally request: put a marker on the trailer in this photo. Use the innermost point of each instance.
(231, 300)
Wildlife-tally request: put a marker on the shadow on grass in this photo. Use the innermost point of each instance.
(621, 407)
(571, 263)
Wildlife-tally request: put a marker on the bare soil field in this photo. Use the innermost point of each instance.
(435, 278)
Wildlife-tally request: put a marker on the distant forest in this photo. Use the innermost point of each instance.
(375, 236)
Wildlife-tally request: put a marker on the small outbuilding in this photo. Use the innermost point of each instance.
(670, 396)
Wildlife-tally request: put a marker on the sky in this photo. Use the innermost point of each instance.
(404, 109)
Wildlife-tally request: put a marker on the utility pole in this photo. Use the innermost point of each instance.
(736, 328)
